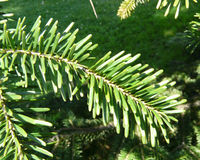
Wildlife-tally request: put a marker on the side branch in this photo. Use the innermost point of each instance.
(77, 130)
(10, 128)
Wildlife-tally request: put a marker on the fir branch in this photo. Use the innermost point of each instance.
(191, 152)
(9, 129)
(128, 6)
(81, 130)
(184, 146)
(85, 69)
(115, 85)
(16, 142)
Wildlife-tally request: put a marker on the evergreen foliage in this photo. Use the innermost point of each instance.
(193, 35)
(128, 6)
(39, 62)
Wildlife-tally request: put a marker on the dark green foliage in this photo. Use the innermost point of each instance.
(193, 36)
(17, 139)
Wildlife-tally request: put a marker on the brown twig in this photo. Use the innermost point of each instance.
(93, 8)
(76, 130)
(142, 151)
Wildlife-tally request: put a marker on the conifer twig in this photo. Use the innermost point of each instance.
(78, 130)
